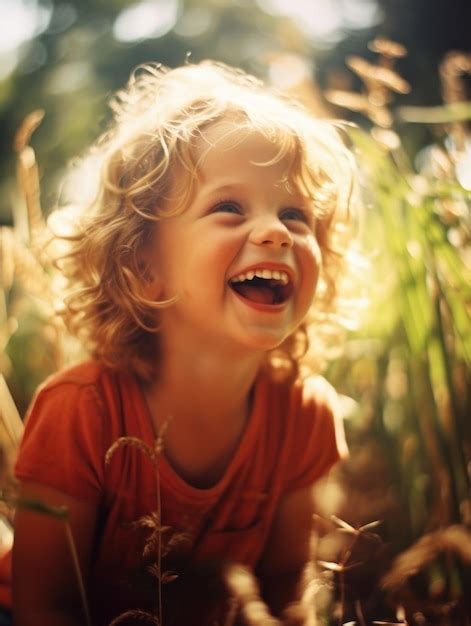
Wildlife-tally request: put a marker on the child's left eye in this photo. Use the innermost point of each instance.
(295, 214)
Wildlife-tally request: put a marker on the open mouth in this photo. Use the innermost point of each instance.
(263, 286)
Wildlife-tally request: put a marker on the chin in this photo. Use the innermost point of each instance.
(264, 342)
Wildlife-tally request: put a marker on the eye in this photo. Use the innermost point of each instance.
(298, 215)
(227, 206)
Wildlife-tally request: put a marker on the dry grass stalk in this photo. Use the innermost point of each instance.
(380, 623)
(343, 564)
(78, 573)
(387, 49)
(30, 272)
(361, 103)
(455, 539)
(152, 521)
(378, 76)
(136, 615)
(24, 262)
(11, 430)
(454, 65)
(298, 614)
(232, 612)
(176, 540)
(380, 81)
(28, 177)
(345, 527)
(303, 612)
(244, 588)
(7, 265)
(27, 128)
(359, 613)
(133, 442)
(9, 416)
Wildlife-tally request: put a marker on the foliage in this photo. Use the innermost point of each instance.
(409, 366)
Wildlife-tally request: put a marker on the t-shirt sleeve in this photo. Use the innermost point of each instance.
(317, 436)
(63, 441)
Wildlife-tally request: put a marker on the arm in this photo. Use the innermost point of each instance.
(45, 589)
(287, 551)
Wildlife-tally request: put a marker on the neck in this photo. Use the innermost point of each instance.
(203, 394)
(203, 385)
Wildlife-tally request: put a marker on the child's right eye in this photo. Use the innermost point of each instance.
(227, 207)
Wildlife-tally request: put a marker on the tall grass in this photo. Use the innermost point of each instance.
(26, 297)
(409, 367)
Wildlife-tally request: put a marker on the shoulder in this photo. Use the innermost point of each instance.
(67, 415)
(89, 379)
(88, 373)
(317, 392)
(86, 399)
(73, 397)
(321, 398)
(309, 409)
(309, 396)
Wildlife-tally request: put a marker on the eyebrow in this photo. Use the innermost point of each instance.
(218, 189)
(236, 187)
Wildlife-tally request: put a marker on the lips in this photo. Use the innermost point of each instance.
(263, 285)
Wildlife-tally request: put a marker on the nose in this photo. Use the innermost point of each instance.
(271, 232)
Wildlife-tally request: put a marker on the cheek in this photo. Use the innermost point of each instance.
(311, 260)
(201, 270)
(213, 257)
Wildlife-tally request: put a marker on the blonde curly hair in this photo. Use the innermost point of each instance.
(157, 117)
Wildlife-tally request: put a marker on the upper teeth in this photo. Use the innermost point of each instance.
(267, 274)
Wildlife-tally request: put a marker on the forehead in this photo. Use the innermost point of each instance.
(224, 145)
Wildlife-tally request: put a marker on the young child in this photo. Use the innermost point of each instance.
(213, 250)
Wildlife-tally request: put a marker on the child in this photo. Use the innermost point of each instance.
(193, 437)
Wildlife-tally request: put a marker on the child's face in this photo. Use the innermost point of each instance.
(241, 224)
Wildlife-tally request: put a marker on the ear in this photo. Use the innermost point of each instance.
(149, 278)
(149, 266)
(152, 287)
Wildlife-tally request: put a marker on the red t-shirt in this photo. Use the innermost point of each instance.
(290, 440)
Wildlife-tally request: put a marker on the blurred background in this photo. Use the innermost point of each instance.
(401, 71)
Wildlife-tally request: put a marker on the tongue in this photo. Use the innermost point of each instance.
(263, 295)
